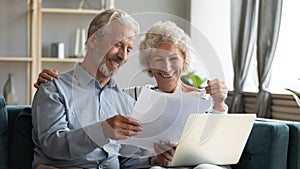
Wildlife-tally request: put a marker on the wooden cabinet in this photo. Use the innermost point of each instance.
(46, 22)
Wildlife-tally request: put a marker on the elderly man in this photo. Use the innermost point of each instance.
(76, 117)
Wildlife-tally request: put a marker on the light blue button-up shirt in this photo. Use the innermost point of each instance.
(66, 118)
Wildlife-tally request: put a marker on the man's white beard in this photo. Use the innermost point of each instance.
(104, 70)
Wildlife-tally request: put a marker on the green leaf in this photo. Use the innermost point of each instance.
(196, 80)
(192, 79)
(295, 92)
(185, 79)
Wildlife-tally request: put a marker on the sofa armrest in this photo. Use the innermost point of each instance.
(13, 112)
(293, 157)
(20, 145)
(266, 147)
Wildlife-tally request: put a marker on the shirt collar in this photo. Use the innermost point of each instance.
(82, 75)
(84, 78)
(112, 83)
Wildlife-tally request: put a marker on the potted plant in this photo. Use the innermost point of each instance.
(296, 95)
(192, 79)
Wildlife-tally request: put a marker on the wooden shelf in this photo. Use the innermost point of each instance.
(71, 60)
(70, 11)
(15, 59)
(33, 61)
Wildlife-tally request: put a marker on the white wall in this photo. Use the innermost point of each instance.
(211, 18)
(175, 7)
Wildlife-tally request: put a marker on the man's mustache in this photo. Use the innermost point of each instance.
(116, 59)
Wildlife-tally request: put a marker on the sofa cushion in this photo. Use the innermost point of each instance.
(20, 140)
(266, 147)
(294, 142)
(3, 133)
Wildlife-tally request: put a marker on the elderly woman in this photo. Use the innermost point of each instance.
(165, 55)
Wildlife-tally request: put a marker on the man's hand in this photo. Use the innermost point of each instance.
(165, 152)
(120, 127)
(45, 76)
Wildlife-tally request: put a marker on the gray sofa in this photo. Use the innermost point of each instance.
(272, 144)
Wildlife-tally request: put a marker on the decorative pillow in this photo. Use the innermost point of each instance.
(21, 145)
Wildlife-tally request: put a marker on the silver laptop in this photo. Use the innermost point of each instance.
(213, 139)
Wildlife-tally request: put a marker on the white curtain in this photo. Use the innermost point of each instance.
(243, 37)
(268, 31)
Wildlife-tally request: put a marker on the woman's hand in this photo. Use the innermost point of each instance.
(165, 152)
(218, 91)
(45, 76)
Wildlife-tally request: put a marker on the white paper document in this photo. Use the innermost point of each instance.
(163, 116)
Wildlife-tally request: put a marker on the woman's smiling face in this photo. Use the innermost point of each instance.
(166, 65)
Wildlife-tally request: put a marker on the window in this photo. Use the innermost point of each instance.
(286, 63)
(212, 18)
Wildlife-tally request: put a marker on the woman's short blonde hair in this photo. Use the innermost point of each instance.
(164, 32)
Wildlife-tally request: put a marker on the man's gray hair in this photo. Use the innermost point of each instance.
(108, 16)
